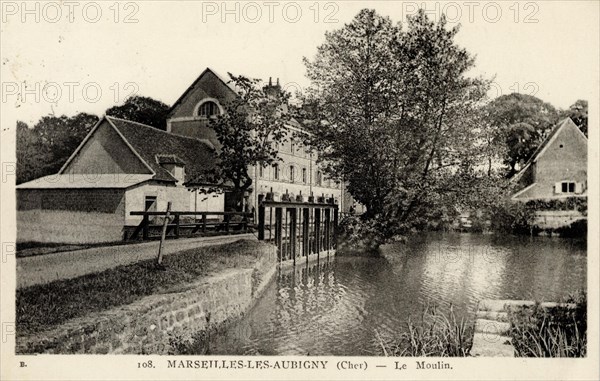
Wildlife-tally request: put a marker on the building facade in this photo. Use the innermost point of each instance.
(556, 171)
(296, 174)
(120, 167)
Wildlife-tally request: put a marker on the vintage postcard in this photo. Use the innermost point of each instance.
(300, 190)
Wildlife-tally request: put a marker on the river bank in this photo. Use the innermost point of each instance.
(137, 309)
(336, 305)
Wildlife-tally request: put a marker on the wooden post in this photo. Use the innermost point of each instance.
(146, 222)
(261, 222)
(203, 222)
(317, 230)
(327, 229)
(305, 232)
(176, 225)
(164, 232)
(292, 239)
(335, 226)
(278, 218)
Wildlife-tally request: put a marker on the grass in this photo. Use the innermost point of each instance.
(435, 333)
(551, 332)
(44, 306)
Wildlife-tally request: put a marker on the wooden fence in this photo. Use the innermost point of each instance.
(298, 229)
(190, 223)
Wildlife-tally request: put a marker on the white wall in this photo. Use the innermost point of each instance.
(181, 198)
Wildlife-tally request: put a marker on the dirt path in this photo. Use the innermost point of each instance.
(71, 264)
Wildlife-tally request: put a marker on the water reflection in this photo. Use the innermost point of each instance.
(332, 307)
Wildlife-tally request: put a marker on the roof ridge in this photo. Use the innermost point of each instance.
(189, 88)
(153, 128)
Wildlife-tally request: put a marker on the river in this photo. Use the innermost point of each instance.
(333, 307)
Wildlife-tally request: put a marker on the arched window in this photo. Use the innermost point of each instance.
(304, 175)
(319, 178)
(208, 109)
(292, 173)
(276, 171)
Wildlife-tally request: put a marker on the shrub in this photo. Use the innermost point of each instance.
(435, 334)
(551, 332)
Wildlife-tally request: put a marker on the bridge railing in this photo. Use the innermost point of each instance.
(190, 223)
(298, 229)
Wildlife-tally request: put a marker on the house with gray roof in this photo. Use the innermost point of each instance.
(121, 166)
(557, 171)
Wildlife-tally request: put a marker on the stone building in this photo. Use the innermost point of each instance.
(296, 174)
(120, 167)
(556, 171)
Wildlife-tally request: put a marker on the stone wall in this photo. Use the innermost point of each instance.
(146, 326)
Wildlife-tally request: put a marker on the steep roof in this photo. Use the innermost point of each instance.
(193, 85)
(567, 122)
(151, 143)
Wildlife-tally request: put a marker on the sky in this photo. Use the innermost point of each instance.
(69, 57)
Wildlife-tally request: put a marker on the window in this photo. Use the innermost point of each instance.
(208, 109)
(568, 187)
(276, 171)
(319, 178)
(261, 171)
(292, 173)
(304, 175)
(292, 147)
(150, 203)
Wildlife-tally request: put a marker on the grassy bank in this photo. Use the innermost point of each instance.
(560, 331)
(44, 306)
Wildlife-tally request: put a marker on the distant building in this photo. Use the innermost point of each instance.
(556, 171)
(296, 174)
(121, 166)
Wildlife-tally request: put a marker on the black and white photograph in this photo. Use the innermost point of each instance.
(299, 190)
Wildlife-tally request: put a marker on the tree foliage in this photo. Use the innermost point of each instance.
(143, 110)
(392, 112)
(249, 131)
(43, 149)
(578, 112)
(519, 123)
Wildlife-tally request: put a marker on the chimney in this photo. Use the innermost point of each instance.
(271, 89)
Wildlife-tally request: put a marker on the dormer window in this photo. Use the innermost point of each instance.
(174, 165)
(208, 108)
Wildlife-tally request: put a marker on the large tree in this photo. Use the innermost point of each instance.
(43, 149)
(143, 110)
(391, 111)
(519, 123)
(250, 128)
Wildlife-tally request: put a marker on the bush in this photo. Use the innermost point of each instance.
(358, 235)
(551, 332)
(577, 229)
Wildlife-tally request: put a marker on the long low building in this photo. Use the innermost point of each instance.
(120, 167)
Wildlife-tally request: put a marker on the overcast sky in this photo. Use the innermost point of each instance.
(157, 49)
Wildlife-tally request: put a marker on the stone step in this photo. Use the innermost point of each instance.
(491, 327)
(493, 315)
(499, 305)
(489, 345)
